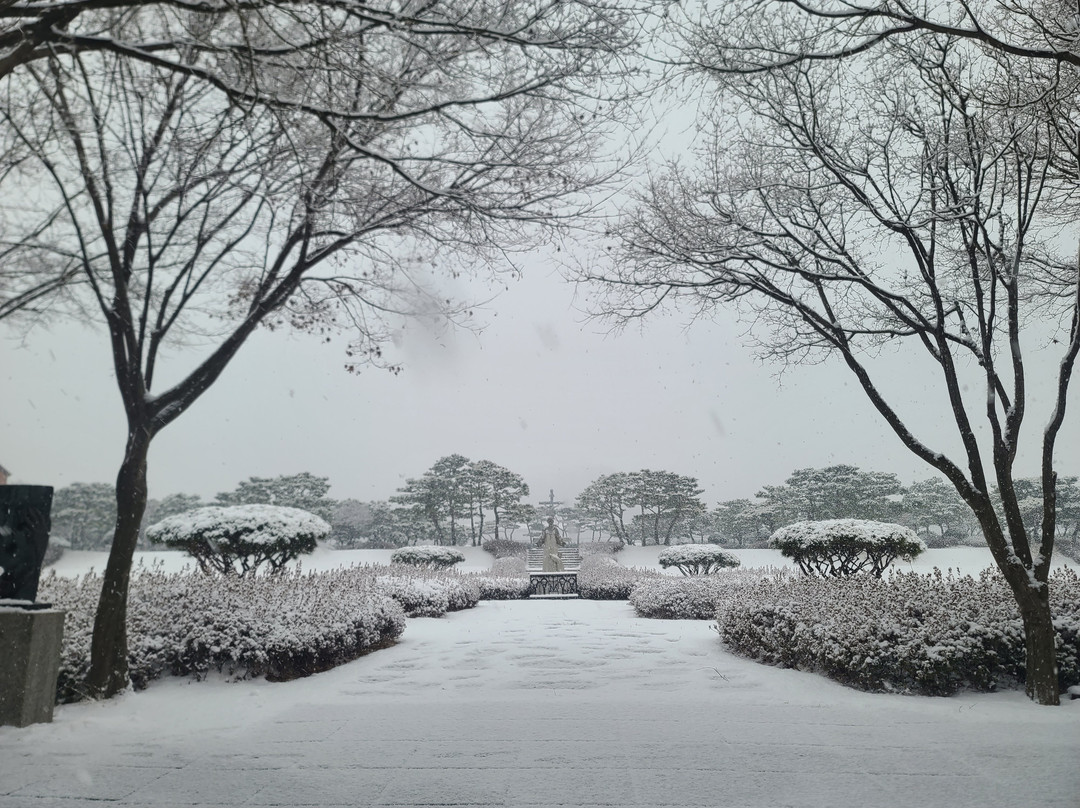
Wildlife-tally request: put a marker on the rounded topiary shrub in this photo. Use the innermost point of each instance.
(843, 547)
(436, 558)
(697, 559)
(601, 577)
(238, 539)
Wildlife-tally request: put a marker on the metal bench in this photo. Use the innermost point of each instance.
(553, 583)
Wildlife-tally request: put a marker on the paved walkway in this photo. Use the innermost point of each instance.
(549, 703)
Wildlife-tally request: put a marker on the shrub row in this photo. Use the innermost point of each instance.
(601, 577)
(695, 598)
(282, 626)
(425, 592)
(910, 633)
(501, 587)
(427, 556)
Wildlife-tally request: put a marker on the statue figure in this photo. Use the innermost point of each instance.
(551, 541)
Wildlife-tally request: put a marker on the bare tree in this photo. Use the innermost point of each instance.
(876, 204)
(300, 58)
(800, 31)
(362, 148)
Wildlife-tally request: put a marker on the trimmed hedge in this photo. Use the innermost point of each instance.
(427, 593)
(282, 626)
(911, 633)
(695, 597)
(501, 587)
(427, 556)
(601, 577)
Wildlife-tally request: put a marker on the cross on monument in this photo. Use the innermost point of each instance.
(551, 502)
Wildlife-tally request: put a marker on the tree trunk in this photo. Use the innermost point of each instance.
(108, 650)
(1041, 679)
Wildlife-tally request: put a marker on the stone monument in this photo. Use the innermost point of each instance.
(30, 632)
(551, 541)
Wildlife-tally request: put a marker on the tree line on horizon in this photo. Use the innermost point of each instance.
(459, 501)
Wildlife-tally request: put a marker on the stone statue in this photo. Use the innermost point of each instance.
(551, 541)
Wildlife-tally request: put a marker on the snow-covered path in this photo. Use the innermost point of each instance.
(544, 703)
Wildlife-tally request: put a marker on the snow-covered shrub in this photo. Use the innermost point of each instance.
(506, 548)
(601, 577)
(509, 567)
(240, 538)
(427, 556)
(425, 592)
(930, 634)
(697, 559)
(501, 587)
(281, 627)
(694, 598)
(844, 547)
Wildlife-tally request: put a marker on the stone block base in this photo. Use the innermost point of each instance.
(29, 664)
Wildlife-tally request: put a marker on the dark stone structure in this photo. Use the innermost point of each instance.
(24, 535)
(30, 644)
(553, 583)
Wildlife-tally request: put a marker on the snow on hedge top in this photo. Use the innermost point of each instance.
(694, 553)
(258, 524)
(427, 556)
(697, 559)
(811, 535)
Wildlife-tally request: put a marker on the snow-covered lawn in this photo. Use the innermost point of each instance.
(545, 703)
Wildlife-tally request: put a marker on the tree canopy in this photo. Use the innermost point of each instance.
(667, 505)
(84, 514)
(834, 492)
(456, 491)
(305, 491)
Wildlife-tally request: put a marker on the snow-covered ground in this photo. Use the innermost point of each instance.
(546, 703)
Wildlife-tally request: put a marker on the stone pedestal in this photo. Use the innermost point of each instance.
(29, 664)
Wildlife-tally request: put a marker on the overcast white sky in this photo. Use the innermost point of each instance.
(541, 391)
